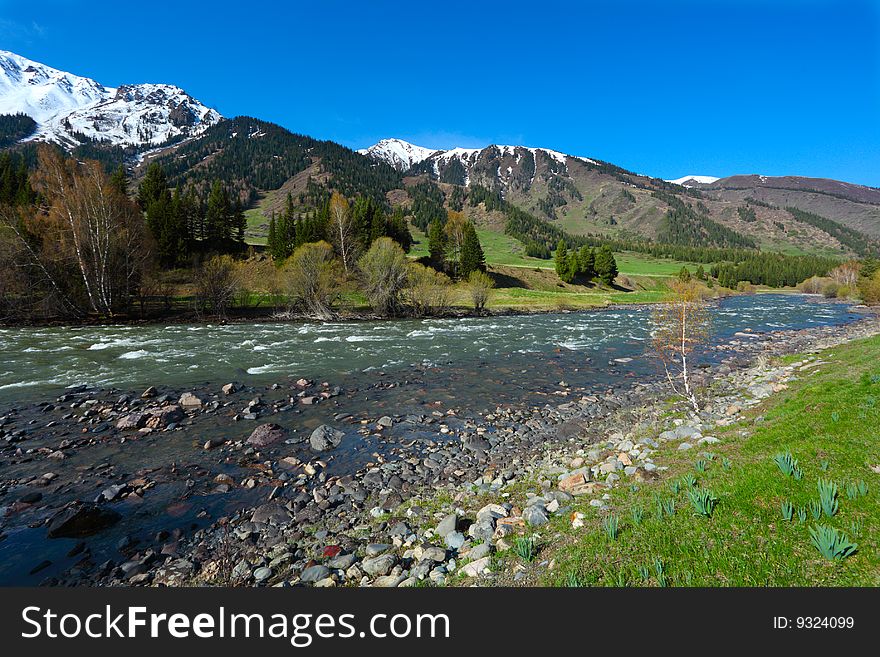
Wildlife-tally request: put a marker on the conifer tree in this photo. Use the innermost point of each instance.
(586, 263)
(437, 244)
(563, 263)
(217, 223)
(606, 265)
(472, 256)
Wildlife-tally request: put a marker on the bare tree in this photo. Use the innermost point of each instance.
(846, 274)
(216, 285)
(681, 326)
(89, 221)
(311, 276)
(385, 271)
(341, 230)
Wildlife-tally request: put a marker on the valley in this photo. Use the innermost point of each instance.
(232, 354)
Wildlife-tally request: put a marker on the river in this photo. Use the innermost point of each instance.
(381, 367)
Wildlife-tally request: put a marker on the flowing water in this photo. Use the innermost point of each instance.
(383, 367)
(36, 360)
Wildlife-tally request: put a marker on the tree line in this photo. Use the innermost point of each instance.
(351, 227)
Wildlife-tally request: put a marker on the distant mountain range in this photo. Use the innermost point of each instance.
(578, 195)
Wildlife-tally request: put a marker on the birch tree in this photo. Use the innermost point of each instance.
(680, 327)
(86, 242)
(341, 231)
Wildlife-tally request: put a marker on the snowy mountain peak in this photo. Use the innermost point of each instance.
(67, 106)
(398, 153)
(689, 181)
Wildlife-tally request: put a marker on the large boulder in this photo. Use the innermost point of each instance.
(78, 519)
(266, 434)
(325, 438)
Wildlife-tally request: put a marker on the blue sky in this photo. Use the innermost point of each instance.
(666, 88)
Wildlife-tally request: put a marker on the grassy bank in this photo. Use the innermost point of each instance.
(828, 419)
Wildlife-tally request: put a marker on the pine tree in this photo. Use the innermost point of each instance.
(472, 256)
(587, 263)
(563, 263)
(152, 186)
(606, 265)
(239, 221)
(217, 215)
(119, 180)
(437, 244)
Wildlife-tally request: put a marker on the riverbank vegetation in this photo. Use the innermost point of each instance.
(79, 244)
(812, 523)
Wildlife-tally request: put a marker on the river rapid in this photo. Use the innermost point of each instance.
(357, 372)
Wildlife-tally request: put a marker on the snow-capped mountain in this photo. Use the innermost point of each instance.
(398, 153)
(67, 106)
(688, 181)
(495, 166)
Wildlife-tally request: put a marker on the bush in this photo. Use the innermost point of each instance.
(427, 290)
(869, 288)
(384, 273)
(479, 286)
(311, 278)
(813, 285)
(216, 284)
(831, 290)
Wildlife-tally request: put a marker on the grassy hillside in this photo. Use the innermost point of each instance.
(828, 419)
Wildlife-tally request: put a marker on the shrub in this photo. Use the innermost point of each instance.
(427, 290)
(813, 285)
(216, 284)
(831, 290)
(311, 276)
(384, 273)
(869, 288)
(479, 286)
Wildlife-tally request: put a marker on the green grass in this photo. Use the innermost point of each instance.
(257, 226)
(746, 541)
(638, 264)
(547, 300)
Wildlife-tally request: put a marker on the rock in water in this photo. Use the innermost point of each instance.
(325, 438)
(78, 519)
(266, 434)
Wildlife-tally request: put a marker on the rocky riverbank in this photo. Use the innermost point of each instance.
(433, 508)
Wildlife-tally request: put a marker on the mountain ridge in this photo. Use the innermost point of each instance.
(70, 109)
(577, 195)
